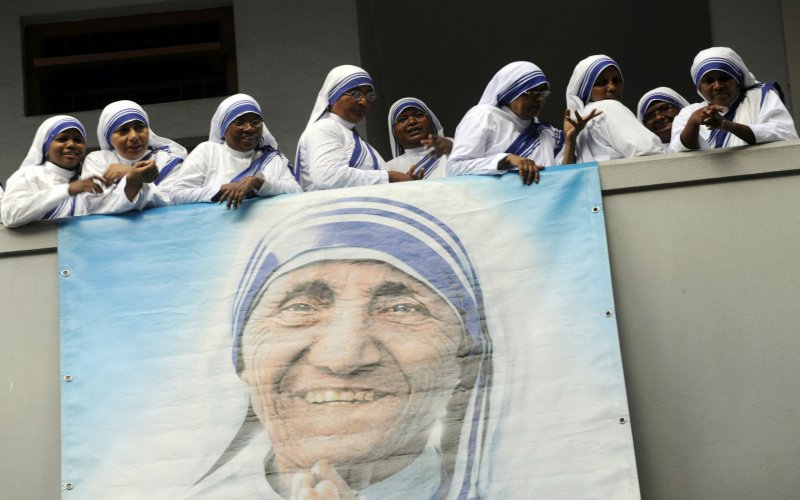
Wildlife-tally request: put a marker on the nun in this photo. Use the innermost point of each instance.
(126, 139)
(596, 85)
(240, 159)
(331, 153)
(48, 183)
(503, 132)
(657, 109)
(362, 342)
(417, 140)
(737, 109)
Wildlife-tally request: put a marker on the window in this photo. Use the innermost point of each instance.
(82, 65)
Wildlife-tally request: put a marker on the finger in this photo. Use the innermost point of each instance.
(328, 477)
(536, 174)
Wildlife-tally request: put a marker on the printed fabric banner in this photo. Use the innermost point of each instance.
(448, 339)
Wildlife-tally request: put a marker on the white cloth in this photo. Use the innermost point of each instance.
(37, 192)
(483, 136)
(764, 113)
(338, 81)
(167, 153)
(488, 129)
(328, 142)
(614, 134)
(119, 113)
(232, 108)
(412, 157)
(210, 165)
(244, 477)
(401, 105)
(769, 121)
(97, 162)
(40, 189)
(403, 159)
(324, 152)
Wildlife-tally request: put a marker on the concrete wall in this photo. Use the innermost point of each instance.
(282, 57)
(706, 277)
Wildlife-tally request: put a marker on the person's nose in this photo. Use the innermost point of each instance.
(348, 345)
(133, 137)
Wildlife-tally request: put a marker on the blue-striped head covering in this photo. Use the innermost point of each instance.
(401, 105)
(721, 59)
(659, 94)
(62, 124)
(47, 131)
(232, 108)
(579, 89)
(339, 80)
(116, 115)
(413, 241)
(512, 80)
(119, 113)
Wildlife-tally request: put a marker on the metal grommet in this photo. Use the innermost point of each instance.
(622, 420)
(69, 486)
(67, 378)
(608, 314)
(65, 273)
(595, 209)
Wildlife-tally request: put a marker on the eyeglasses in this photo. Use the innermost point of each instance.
(255, 122)
(535, 94)
(661, 109)
(357, 95)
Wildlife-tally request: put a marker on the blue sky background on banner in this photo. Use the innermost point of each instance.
(145, 319)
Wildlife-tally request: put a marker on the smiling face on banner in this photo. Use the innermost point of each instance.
(351, 362)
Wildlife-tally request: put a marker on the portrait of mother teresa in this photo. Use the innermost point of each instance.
(358, 328)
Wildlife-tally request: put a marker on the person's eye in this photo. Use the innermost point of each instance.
(600, 83)
(404, 310)
(299, 307)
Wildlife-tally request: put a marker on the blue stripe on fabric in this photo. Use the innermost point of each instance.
(719, 64)
(406, 104)
(257, 165)
(238, 109)
(523, 83)
(122, 117)
(429, 163)
(591, 75)
(354, 80)
(59, 127)
(656, 98)
(167, 169)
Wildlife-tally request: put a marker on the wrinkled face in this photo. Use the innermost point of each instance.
(718, 87)
(658, 119)
(411, 126)
(67, 149)
(244, 133)
(350, 361)
(130, 140)
(609, 85)
(351, 109)
(529, 104)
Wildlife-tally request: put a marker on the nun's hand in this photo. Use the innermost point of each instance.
(712, 116)
(416, 172)
(573, 126)
(93, 184)
(400, 177)
(528, 170)
(142, 172)
(438, 145)
(321, 483)
(115, 172)
(235, 192)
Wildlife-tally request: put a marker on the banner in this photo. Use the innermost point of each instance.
(439, 339)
